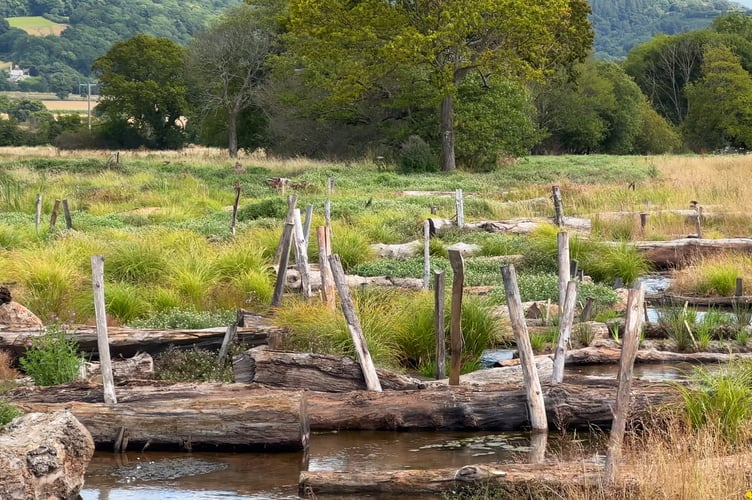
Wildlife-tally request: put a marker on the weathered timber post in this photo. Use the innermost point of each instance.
(573, 268)
(460, 207)
(53, 216)
(562, 240)
(232, 329)
(328, 215)
(643, 222)
(234, 220)
(426, 254)
(629, 346)
(66, 213)
(307, 223)
(353, 325)
(739, 291)
(301, 255)
(284, 252)
(327, 280)
(538, 442)
(329, 185)
(438, 324)
(291, 201)
(565, 330)
(455, 325)
(38, 212)
(103, 345)
(558, 210)
(534, 394)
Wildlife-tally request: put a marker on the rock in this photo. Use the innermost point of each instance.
(466, 249)
(15, 316)
(44, 455)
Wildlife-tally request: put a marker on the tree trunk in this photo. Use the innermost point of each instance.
(44, 455)
(232, 133)
(447, 134)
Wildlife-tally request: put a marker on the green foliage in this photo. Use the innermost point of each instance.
(8, 412)
(125, 302)
(677, 321)
(272, 208)
(720, 398)
(191, 365)
(717, 279)
(143, 83)
(136, 261)
(188, 319)
(416, 155)
(351, 246)
(52, 359)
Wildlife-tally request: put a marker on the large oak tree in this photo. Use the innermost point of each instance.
(350, 49)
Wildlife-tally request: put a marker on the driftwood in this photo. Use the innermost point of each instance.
(139, 366)
(610, 355)
(516, 226)
(314, 372)
(44, 455)
(507, 480)
(181, 416)
(667, 254)
(129, 341)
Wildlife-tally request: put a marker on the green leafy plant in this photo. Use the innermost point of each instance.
(8, 412)
(416, 156)
(188, 319)
(52, 358)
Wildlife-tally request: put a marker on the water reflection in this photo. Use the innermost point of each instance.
(200, 476)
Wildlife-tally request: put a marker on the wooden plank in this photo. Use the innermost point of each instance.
(323, 236)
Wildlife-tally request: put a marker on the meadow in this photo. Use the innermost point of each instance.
(36, 25)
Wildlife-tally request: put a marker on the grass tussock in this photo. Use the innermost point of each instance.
(713, 276)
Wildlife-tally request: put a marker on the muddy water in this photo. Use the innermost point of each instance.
(204, 476)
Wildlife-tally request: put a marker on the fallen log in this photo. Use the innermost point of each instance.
(181, 416)
(680, 252)
(127, 342)
(239, 416)
(514, 226)
(44, 455)
(610, 355)
(700, 301)
(506, 480)
(139, 366)
(314, 372)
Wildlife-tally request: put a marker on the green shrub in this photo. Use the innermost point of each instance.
(125, 302)
(136, 262)
(416, 156)
(8, 412)
(272, 208)
(52, 358)
(188, 319)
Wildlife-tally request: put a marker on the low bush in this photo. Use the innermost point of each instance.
(188, 319)
(416, 155)
(52, 359)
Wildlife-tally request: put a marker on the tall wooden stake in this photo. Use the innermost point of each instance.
(38, 211)
(103, 345)
(327, 280)
(301, 255)
(565, 330)
(307, 223)
(438, 324)
(426, 254)
(629, 346)
(455, 325)
(67, 215)
(353, 325)
(284, 251)
(53, 216)
(535, 404)
(562, 240)
(558, 210)
(460, 206)
(291, 201)
(234, 220)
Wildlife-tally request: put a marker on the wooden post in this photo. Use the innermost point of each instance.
(301, 255)
(53, 216)
(562, 240)
(329, 185)
(235, 208)
(328, 215)
(66, 213)
(103, 345)
(455, 325)
(327, 280)
(38, 211)
(629, 346)
(434, 210)
(643, 222)
(438, 324)
(291, 201)
(460, 208)
(307, 223)
(739, 291)
(565, 330)
(618, 283)
(538, 442)
(698, 222)
(229, 335)
(558, 210)
(284, 251)
(353, 324)
(426, 254)
(573, 263)
(587, 310)
(535, 404)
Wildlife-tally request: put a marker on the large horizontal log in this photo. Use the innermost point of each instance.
(182, 416)
(242, 415)
(314, 372)
(700, 301)
(126, 341)
(673, 253)
(611, 355)
(44, 455)
(515, 226)
(506, 480)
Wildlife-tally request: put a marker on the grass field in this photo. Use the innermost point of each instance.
(73, 104)
(36, 25)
